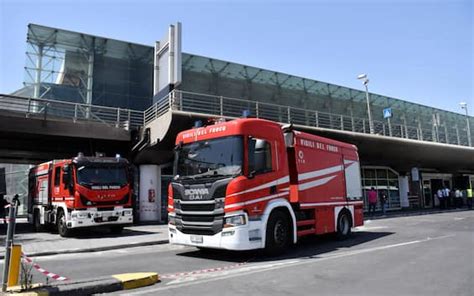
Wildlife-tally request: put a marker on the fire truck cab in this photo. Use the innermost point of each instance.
(80, 192)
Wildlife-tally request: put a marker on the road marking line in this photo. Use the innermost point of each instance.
(256, 268)
(363, 228)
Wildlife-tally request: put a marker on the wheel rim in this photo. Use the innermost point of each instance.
(62, 223)
(344, 225)
(279, 233)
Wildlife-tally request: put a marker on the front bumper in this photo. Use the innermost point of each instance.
(90, 218)
(245, 237)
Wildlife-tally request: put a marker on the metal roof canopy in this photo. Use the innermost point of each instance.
(399, 154)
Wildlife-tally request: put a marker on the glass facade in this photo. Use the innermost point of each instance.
(71, 66)
(384, 180)
(216, 77)
(16, 179)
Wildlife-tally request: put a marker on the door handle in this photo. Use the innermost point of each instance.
(273, 189)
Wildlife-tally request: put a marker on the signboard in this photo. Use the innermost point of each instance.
(387, 113)
(167, 61)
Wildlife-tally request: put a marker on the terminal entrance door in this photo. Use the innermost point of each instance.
(428, 194)
(430, 187)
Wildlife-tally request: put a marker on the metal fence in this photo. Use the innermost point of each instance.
(77, 112)
(232, 108)
(225, 107)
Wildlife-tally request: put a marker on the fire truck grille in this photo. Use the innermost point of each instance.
(190, 218)
(204, 215)
(197, 207)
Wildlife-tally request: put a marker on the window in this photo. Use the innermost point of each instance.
(217, 157)
(57, 176)
(102, 175)
(384, 180)
(260, 156)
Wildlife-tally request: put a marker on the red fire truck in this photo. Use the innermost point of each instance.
(251, 183)
(80, 192)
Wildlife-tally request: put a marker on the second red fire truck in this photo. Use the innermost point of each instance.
(80, 192)
(250, 184)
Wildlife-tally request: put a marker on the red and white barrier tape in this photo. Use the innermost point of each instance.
(44, 271)
(196, 272)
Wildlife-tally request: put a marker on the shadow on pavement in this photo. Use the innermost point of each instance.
(307, 247)
(91, 233)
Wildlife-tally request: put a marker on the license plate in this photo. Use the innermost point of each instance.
(197, 239)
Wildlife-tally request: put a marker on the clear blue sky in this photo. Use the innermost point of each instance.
(416, 50)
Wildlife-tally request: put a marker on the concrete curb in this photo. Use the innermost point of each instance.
(96, 249)
(407, 214)
(108, 284)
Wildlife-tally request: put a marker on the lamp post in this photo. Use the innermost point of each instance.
(464, 106)
(365, 81)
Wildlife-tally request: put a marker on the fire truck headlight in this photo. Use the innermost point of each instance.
(171, 219)
(234, 221)
(80, 215)
(127, 213)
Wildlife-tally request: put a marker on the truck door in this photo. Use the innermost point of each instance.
(57, 182)
(43, 190)
(352, 178)
(262, 172)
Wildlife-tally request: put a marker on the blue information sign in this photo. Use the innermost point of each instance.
(387, 112)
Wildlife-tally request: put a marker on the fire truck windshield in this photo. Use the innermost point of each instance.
(102, 175)
(210, 158)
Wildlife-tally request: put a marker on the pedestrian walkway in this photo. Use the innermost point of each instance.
(86, 240)
(410, 212)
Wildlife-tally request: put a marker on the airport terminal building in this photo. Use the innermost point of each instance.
(409, 153)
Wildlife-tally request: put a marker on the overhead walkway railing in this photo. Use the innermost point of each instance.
(232, 108)
(76, 112)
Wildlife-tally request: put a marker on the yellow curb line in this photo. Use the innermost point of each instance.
(137, 280)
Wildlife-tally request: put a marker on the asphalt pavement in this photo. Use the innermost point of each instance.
(414, 255)
(85, 240)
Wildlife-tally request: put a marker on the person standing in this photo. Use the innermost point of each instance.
(440, 197)
(383, 200)
(372, 198)
(469, 197)
(446, 193)
(458, 198)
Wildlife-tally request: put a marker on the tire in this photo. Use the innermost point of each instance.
(344, 224)
(116, 229)
(278, 233)
(37, 222)
(61, 224)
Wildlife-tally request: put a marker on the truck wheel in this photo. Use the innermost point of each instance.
(62, 227)
(37, 222)
(344, 225)
(278, 234)
(116, 229)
